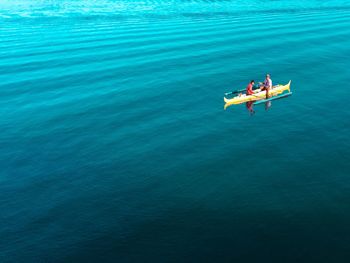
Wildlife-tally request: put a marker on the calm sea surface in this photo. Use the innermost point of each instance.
(115, 146)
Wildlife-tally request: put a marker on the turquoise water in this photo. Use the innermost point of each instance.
(115, 145)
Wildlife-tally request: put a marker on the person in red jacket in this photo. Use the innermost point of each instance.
(250, 88)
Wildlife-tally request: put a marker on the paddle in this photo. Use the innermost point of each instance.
(234, 92)
(241, 90)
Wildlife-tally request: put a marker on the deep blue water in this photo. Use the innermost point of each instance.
(115, 145)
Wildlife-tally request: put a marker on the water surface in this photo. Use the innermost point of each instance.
(115, 145)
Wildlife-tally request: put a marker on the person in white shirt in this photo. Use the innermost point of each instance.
(267, 85)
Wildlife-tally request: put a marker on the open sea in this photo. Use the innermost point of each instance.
(115, 145)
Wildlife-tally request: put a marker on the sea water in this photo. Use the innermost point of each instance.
(115, 145)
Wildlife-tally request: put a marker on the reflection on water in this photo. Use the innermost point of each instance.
(249, 106)
(115, 147)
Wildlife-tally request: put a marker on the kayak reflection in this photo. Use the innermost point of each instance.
(267, 102)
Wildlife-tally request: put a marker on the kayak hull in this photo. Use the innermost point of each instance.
(276, 90)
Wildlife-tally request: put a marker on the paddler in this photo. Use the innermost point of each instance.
(250, 88)
(267, 85)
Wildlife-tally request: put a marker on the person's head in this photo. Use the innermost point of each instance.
(252, 82)
(267, 76)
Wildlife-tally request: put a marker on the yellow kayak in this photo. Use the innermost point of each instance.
(276, 90)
